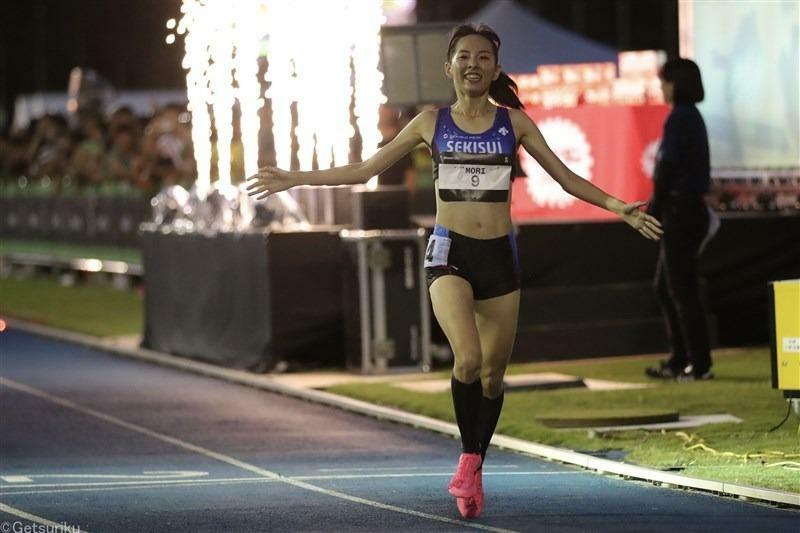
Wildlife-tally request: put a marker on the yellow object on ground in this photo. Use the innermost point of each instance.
(785, 336)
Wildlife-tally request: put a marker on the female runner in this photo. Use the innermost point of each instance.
(471, 262)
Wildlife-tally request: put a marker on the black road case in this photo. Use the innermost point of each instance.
(386, 307)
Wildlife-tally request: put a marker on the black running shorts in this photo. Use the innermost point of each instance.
(491, 266)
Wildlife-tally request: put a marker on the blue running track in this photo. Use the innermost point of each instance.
(107, 444)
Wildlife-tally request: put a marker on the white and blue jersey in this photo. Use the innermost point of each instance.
(473, 167)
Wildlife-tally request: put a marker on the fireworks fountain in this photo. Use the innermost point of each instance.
(322, 57)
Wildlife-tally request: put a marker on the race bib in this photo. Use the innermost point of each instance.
(437, 252)
(474, 177)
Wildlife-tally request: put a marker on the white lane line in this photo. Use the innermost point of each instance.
(431, 474)
(11, 489)
(151, 474)
(253, 480)
(232, 461)
(379, 469)
(51, 526)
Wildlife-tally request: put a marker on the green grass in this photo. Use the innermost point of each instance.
(99, 311)
(742, 388)
(70, 251)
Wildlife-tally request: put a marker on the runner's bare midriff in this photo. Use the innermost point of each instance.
(479, 220)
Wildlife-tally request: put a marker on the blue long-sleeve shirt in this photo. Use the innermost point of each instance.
(682, 162)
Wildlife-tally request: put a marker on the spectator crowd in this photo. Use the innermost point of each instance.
(118, 151)
(123, 152)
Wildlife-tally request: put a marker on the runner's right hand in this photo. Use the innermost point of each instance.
(269, 180)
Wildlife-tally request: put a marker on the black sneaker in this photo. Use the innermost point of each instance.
(663, 371)
(689, 374)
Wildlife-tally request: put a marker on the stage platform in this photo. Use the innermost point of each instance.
(587, 290)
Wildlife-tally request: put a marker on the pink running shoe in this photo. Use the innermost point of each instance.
(466, 507)
(478, 498)
(463, 483)
(472, 507)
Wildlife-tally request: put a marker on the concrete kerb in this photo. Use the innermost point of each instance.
(601, 466)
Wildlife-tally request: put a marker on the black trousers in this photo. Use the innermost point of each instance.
(685, 222)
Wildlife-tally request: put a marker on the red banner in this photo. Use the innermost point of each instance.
(614, 147)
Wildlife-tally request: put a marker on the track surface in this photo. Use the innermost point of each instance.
(104, 443)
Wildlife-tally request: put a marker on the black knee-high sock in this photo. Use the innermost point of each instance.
(467, 403)
(490, 413)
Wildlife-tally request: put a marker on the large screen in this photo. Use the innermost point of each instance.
(747, 51)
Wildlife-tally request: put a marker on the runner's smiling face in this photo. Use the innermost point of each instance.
(473, 66)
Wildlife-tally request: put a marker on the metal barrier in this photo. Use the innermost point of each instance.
(100, 220)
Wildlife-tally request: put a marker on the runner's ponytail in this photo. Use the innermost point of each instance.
(503, 90)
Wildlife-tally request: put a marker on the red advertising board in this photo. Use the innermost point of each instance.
(614, 147)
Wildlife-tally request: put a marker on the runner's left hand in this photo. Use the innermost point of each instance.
(645, 224)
